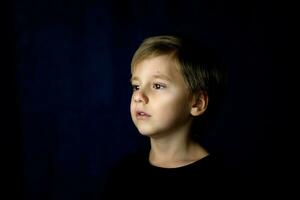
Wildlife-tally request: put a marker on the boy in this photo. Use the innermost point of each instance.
(176, 87)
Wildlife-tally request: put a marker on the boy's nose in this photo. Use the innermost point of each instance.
(140, 97)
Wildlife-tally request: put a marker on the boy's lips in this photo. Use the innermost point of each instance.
(142, 115)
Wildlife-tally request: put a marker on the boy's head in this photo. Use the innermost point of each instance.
(202, 72)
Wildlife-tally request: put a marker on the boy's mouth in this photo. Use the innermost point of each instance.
(142, 115)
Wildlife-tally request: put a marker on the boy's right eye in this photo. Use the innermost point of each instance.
(135, 87)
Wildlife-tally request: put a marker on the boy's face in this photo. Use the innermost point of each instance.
(161, 102)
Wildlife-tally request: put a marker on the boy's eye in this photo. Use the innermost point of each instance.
(158, 86)
(135, 87)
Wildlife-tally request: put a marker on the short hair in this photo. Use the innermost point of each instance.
(201, 67)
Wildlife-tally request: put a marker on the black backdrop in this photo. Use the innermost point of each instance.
(67, 106)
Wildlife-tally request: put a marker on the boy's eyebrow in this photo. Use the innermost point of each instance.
(134, 79)
(159, 76)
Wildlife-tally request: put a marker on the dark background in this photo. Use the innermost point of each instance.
(66, 71)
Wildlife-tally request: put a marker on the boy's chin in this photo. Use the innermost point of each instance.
(145, 132)
(150, 134)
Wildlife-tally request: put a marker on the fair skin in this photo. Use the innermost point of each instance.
(163, 108)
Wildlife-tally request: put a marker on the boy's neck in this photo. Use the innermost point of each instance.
(175, 152)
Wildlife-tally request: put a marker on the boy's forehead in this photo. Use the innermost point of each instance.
(159, 64)
(154, 66)
(161, 67)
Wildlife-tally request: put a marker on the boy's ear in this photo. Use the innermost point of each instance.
(199, 103)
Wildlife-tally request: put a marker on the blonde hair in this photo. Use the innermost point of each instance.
(155, 46)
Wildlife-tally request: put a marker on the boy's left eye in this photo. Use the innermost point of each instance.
(135, 87)
(158, 86)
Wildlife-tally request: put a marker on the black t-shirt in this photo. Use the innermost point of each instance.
(136, 178)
